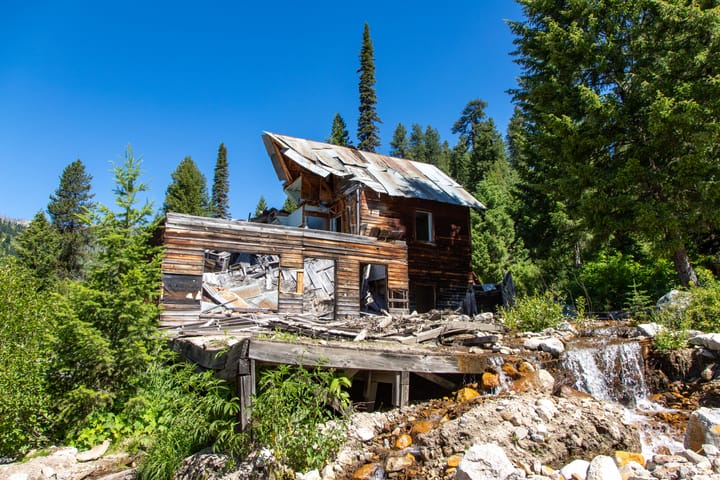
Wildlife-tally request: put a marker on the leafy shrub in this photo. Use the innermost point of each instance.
(535, 312)
(703, 313)
(611, 277)
(26, 324)
(175, 413)
(291, 415)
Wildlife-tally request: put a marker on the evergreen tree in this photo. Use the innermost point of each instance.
(261, 206)
(399, 144)
(39, 249)
(289, 205)
(120, 295)
(368, 133)
(9, 230)
(479, 138)
(339, 134)
(624, 116)
(188, 191)
(416, 144)
(66, 208)
(221, 185)
(433, 149)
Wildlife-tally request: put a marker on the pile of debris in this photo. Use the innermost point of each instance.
(446, 327)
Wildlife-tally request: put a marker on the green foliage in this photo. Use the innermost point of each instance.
(119, 297)
(67, 210)
(479, 143)
(221, 186)
(291, 415)
(261, 206)
(399, 144)
(339, 134)
(289, 205)
(26, 325)
(611, 277)
(38, 248)
(9, 230)
(623, 113)
(182, 411)
(187, 193)
(703, 313)
(534, 313)
(368, 133)
(81, 366)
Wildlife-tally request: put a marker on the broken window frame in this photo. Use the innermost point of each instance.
(424, 230)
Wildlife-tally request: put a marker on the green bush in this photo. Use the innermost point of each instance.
(611, 278)
(534, 313)
(703, 313)
(26, 325)
(291, 415)
(176, 411)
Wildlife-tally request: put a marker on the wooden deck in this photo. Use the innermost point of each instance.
(237, 358)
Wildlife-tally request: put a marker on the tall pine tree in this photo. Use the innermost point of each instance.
(187, 193)
(339, 134)
(368, 132)
(399, 144)
(480, 140)
(67, 207)
(623, 104)
(221, 185)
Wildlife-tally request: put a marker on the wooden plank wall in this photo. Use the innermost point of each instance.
(444, 262)
(186, 239)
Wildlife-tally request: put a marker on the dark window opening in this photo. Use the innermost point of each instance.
(373, 287)
(423, 226)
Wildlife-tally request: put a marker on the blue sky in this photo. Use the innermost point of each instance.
(85, 79)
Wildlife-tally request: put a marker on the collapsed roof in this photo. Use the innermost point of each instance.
(391, 176)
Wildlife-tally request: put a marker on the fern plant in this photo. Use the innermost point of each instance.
(293, 415)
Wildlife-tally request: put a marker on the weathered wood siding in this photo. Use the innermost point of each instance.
(443, 262)
(186, 239)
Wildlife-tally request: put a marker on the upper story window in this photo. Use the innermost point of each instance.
(423, 226)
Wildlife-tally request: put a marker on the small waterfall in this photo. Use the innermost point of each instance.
(610, 371)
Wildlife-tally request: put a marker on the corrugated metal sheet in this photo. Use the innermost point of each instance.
(395, 177)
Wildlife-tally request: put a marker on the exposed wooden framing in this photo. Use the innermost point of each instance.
(187, 238)
(438, 380)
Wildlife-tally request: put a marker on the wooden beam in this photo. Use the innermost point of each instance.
(437, 379)
(336, 356)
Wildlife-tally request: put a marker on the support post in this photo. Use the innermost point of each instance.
(401, 389)
(245, 384)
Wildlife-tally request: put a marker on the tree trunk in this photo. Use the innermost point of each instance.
(683, 268)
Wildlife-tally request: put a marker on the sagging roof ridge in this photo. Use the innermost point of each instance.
(392, 176)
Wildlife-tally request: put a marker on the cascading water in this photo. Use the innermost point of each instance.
(612, 371)
(615, 372)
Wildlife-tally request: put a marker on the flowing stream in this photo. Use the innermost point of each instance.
(614, 371)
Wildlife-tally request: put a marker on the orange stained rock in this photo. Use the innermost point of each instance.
(511, 371)
(623, 458)
(466, 394)
(454, 461)
(524, 383)
(403, 441)
(490, 380)
(526, 367)
(422, 426)
(716, 429)
(366, 472)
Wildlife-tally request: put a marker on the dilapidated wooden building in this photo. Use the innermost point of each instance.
(371, 233)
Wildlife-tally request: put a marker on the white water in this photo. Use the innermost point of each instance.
(612, 372)
(615, 372)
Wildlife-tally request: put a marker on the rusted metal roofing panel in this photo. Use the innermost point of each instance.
(395, 177)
